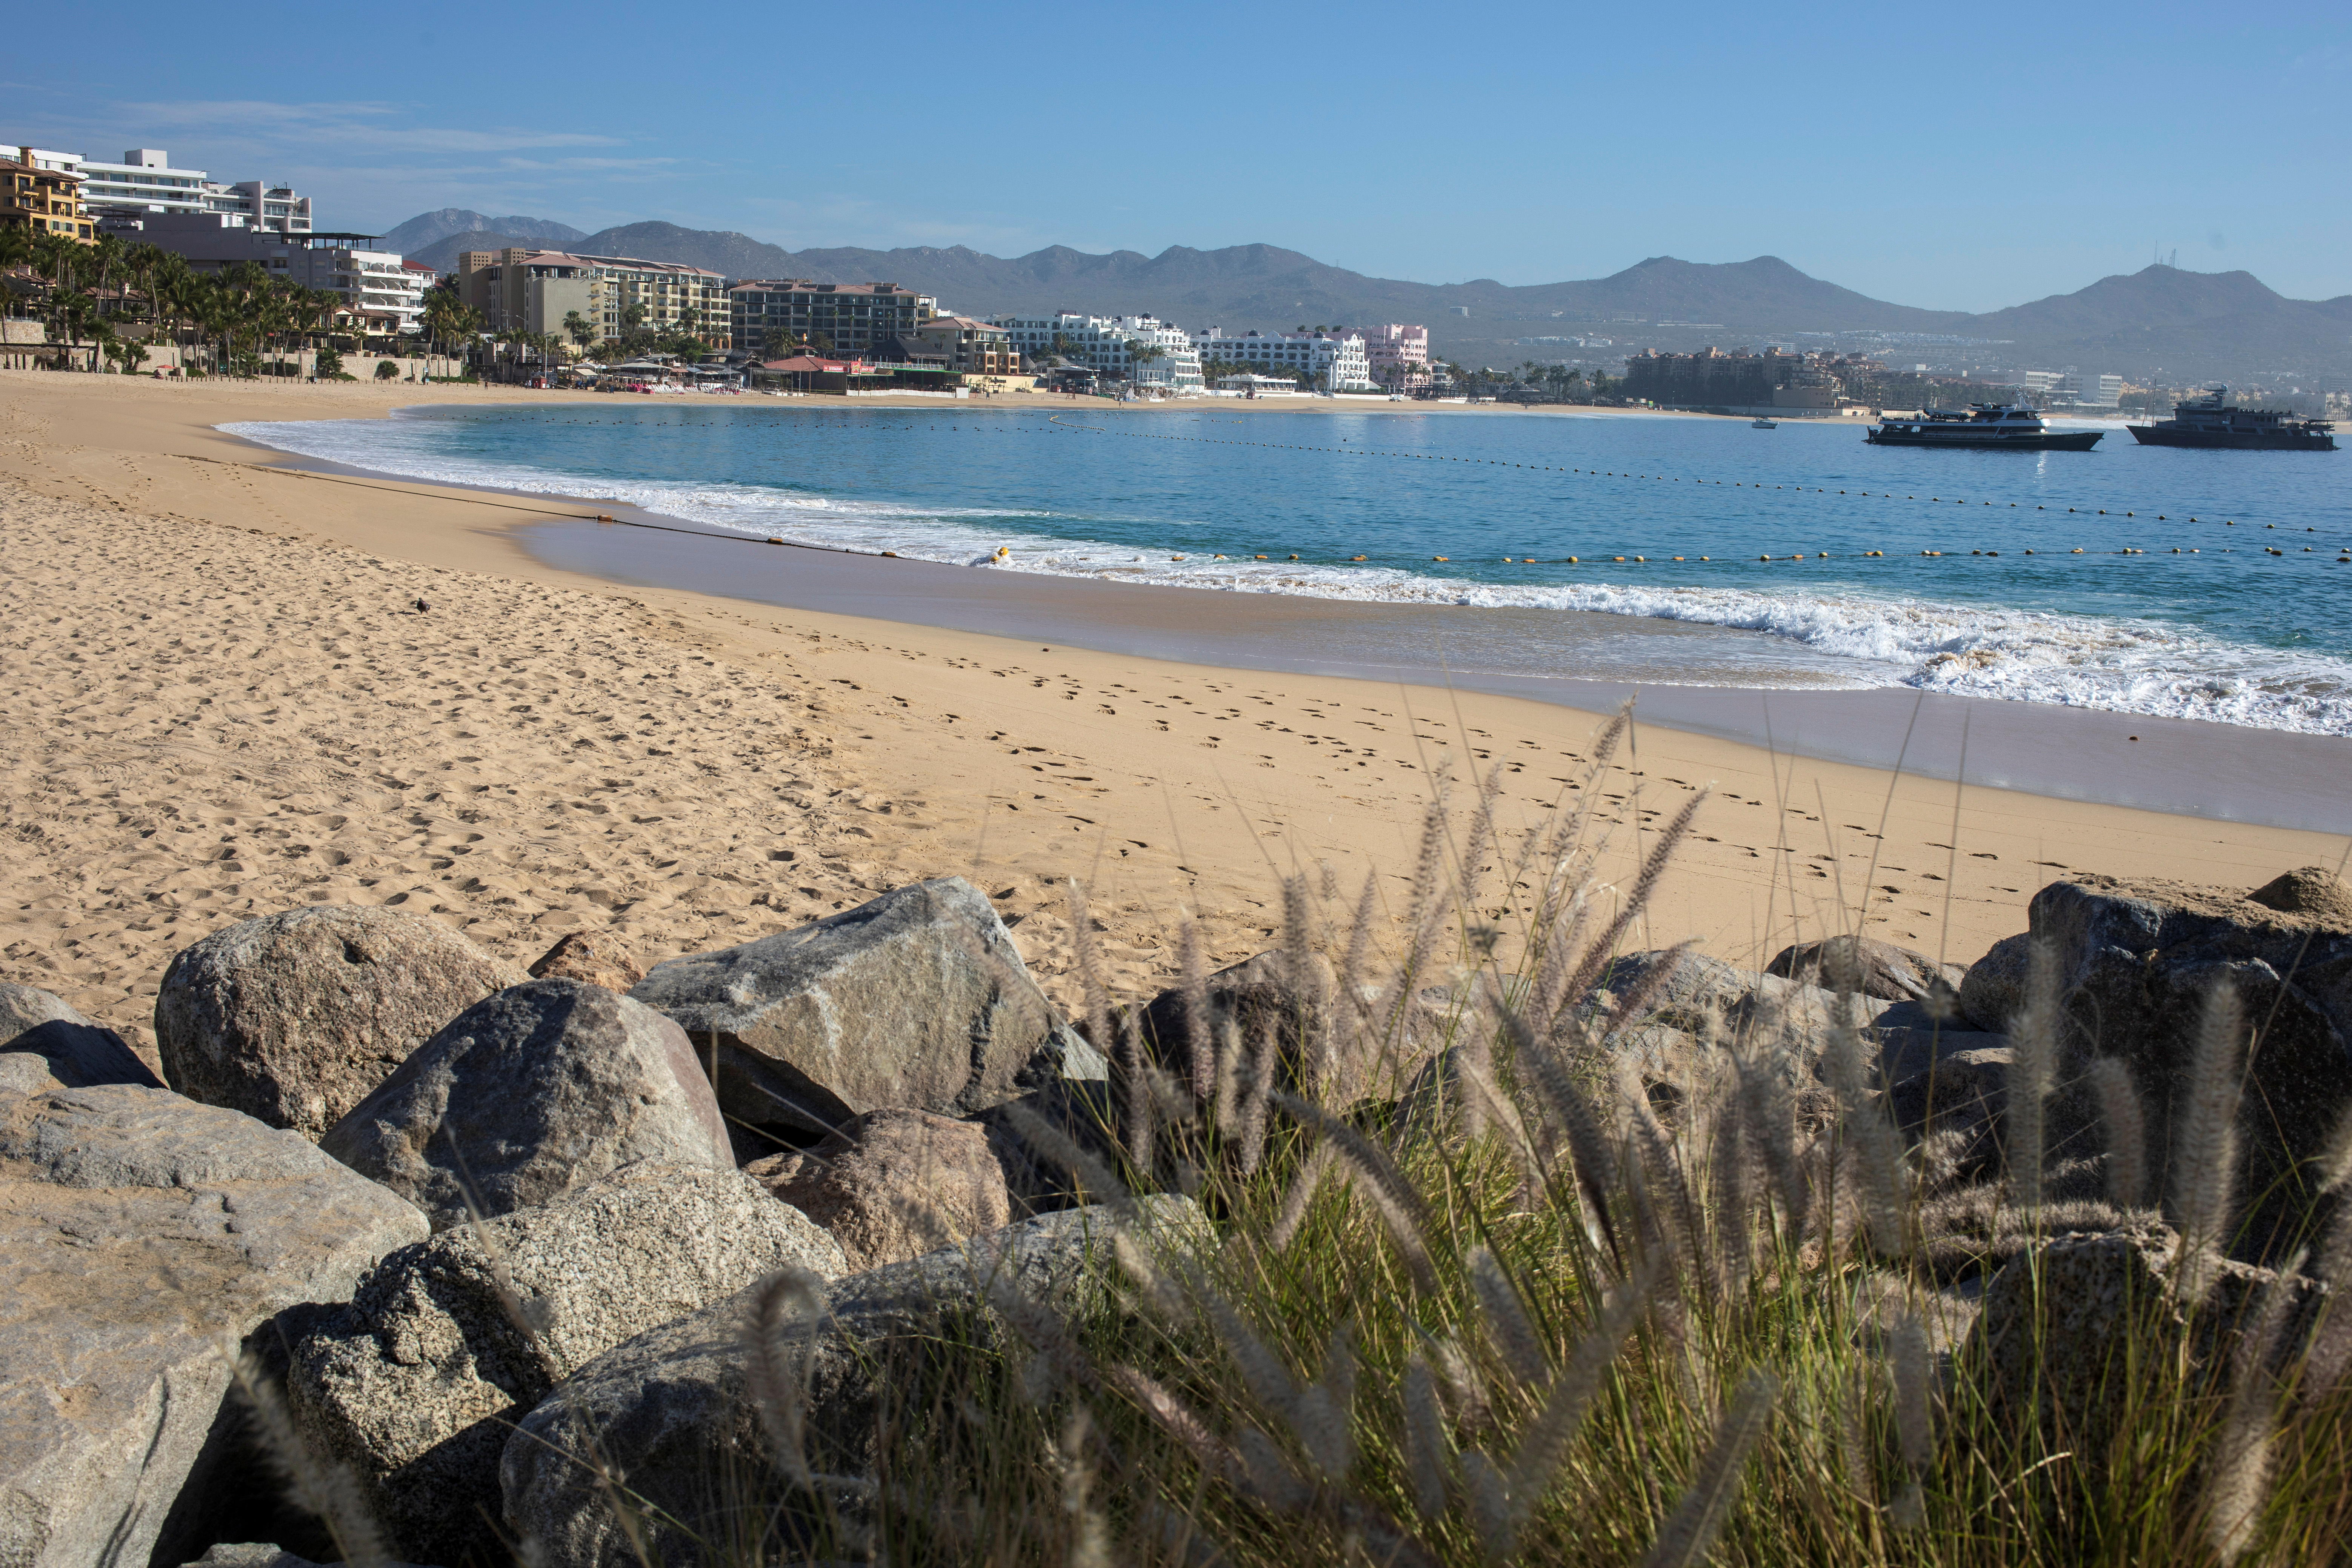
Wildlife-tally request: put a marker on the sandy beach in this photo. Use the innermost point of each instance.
(237, 686)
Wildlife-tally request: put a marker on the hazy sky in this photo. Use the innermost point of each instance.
(1958, 157)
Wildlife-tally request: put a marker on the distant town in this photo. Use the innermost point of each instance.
(144, 267)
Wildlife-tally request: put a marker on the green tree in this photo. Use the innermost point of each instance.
(386, 371)
(584, 331)
(779, 342)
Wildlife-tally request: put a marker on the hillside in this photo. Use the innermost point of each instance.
(425, 229)
(2186, 324)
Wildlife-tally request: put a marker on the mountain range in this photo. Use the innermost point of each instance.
(2160, 321)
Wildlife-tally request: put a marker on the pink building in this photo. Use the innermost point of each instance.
(1397, 352)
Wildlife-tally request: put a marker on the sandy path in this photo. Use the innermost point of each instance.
(223, 701)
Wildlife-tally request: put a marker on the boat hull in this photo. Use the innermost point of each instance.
(2232, 440)
(1989, 441)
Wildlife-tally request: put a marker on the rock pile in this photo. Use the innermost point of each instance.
(348, 1082)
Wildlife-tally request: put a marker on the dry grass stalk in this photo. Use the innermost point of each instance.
(1544, 1445)
(2240, 1482)
(2034, 1034)
(1507, 1325)
(2205, 1143)
(1377, 1177)
(1690, 1534)
(2125, 1126)
(1424, 1438)
(773, 1365)
(1089, 1529)
(318, 1485)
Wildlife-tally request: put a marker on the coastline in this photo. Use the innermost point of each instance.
(1170, 785)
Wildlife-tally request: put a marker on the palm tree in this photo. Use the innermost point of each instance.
(779, 342)
(582, 332)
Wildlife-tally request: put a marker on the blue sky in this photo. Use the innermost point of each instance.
(1949, 156)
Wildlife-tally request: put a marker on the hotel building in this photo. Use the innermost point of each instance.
(970, 347)
(1397, 355)
(120, 197)
(518, 290)
(373, 285)
(855, 319)
(1105, 344)
(1323, 362)
(44, 196)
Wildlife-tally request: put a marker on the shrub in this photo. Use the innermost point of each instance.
(386, 371)
(1480, 1293)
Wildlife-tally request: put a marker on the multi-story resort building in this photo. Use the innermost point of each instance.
(855, 319)
(1143, 350)
(518, 290)
(1323, 362)
(374, 287)
(42, 195)
(120, 197)
(1397, 356)
(970, 347)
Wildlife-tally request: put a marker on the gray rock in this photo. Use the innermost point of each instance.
(1706, 997)
(1243, 1002)
(79, 1052)
(2137, 961)
(1994, 987)
(916, 1001)
(24, 1072)
(1875, 968)
(293, 1018)
(894, 1184)
(669, 1410)
(599, 958)
(255, 1555)
(141, 1227)
(416, 1384)
(2061, 1333)
(543, 1087)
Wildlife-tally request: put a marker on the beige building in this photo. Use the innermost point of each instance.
(855, 319)
(43, 196)
(517, 289)
(970, 347)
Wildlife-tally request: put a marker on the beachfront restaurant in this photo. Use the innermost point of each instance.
(841, 378)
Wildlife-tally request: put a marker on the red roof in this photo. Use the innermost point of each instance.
(806, 365)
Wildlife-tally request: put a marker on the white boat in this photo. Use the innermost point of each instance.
(1764, 424)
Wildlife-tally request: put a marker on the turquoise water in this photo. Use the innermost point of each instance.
(1192, 496)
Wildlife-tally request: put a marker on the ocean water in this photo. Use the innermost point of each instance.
(2031, 595)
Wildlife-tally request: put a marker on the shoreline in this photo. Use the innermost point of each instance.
(229, 648)
(2198, 768)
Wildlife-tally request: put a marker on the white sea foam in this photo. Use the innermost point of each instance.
(2119, 663)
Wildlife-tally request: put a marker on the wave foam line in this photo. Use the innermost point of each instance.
(2114, 663)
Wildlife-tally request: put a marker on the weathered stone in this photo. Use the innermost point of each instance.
(416, 1384)
(2313, 890)
(255, 1554)
(1037, 1181)
(915, 1001)
(1246, 1005)
(140, 1227)
(1709, 998)
(1874, 967)
(600, 958)
(293, 1018)
(895, 1184)
(2136, 961)
(79, 1052)
(2064, 1329)
(669, 1408)
(1993, 989)
(543, 1087)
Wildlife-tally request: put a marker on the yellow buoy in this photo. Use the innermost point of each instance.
(1440, 558)
(1354, 558)
(889, 555)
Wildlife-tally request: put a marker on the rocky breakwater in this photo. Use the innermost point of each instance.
(140, 1230)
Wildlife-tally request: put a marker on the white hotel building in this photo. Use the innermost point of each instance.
(120, 197)
(1321, 362)
(1100, 342)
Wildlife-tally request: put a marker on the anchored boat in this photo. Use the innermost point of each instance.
(1982, 425)
(2208, 421)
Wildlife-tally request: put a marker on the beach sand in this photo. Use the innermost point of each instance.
(224, 700)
